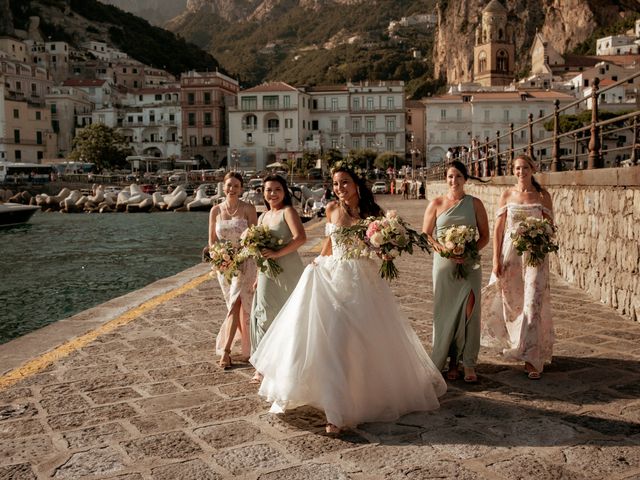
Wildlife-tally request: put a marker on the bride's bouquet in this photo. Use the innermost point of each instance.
(384, 237)
(255, 238)
(534, 238)
(460, 241)
(224, 259)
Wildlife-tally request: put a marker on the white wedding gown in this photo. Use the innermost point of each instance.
(341, 344)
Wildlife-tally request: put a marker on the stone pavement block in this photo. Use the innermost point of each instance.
(162, 446)
(61, 404)
(437, 469)
(295, 421)
(228, 410)
(533, 465)
(230, 434)
(388, 459)
(161, 388)
(175, 401)
(110, 381)
(238, 389)
(315, 471)
(158, 422)
(602, 460)
(190, 470)
(311, 446)
(17, 410)
(217, 377)
(21, 428)
(250, 458)
(21, 471)
(461, 443)
(91, 463)
(94, 436)
(101, 397)
(603, 423)
(93, 416)
(13, 394)
(24, 449)
(181, 371)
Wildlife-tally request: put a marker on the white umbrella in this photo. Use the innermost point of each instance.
(277, 165)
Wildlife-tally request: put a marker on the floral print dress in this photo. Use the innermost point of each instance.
(240, 288)
(516, 307)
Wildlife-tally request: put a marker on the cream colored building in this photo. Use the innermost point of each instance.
(25, 122)
(276, 121)
(455, 119)
(69, 107)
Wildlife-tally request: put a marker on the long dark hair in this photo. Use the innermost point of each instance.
(532, 164)
(235, 175)
(463, 170)
(367, 206)
(288, 200)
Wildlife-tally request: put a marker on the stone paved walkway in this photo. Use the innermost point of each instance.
(147, 401)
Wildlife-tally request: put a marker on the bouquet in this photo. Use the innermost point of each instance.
(460, 241)
(385, 237)
(533, 238)
(224, 259)
(256, 238)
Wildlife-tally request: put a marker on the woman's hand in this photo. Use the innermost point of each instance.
(254, 287)
(457, 259)
(437, 247)
(268, 253)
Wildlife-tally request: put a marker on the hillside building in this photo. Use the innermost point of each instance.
(276, 121)
(70, 109)
(205, 98)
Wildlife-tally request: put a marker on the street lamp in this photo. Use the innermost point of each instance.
(235, 158)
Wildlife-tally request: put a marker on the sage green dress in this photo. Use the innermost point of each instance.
(272, 293)
(454, 335)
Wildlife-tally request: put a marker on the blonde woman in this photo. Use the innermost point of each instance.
(517, 304)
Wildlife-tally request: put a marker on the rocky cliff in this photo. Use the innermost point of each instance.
(563, 23)
(6, 19)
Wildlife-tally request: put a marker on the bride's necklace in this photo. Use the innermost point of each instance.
(232, 214)
(352, 212)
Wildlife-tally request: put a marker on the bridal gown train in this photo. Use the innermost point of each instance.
(341, 344)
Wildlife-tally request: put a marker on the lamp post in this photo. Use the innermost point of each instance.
(234, 157)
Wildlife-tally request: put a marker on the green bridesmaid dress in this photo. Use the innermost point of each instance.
(455, 335)
(272, 293)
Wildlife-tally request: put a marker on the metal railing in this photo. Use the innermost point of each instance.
(618, 136)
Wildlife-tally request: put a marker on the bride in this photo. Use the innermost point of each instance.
(340, 343)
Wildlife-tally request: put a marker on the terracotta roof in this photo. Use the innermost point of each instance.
(621, 60)
(413, 104)
(327, 88)
(606, 81)
(550, 94)
(271, 87)
(83, 82)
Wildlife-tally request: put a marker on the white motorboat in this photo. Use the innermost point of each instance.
(15, 213)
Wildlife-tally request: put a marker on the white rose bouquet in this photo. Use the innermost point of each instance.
(224, 258)
(385, 237)
(460, 242)
(534, 238)
(254, 239)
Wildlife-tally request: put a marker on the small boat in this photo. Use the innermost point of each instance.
(15, 213)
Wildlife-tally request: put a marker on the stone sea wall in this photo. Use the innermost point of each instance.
(598, 218)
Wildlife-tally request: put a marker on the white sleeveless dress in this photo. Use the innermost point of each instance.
(341, 344)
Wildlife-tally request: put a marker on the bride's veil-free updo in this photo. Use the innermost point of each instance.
(366, 203)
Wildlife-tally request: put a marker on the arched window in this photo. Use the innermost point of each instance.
(502, 61)
(482, 62)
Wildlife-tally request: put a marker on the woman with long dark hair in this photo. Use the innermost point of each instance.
(517, 301)
(456, 301)
(340, 343)
(284, 223)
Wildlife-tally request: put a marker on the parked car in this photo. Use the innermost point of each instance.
(380, 187)
(255, 183)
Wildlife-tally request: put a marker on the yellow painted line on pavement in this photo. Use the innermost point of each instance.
(43, 361)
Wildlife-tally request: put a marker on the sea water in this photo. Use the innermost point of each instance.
(60, 264)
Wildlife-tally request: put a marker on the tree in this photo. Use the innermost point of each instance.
(100, 145)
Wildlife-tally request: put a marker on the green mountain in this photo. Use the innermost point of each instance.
(76, 21)
(334, 43)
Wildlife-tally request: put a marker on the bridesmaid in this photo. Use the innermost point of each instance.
(517, 304)
(272, 293)
(456, 302)
(227, 221)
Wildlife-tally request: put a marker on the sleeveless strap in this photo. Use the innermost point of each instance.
(501, 211)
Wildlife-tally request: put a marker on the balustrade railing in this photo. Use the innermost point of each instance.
(580, 148)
